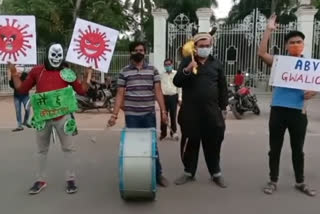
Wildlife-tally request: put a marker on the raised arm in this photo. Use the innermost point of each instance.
(82, 88)
(263, 48)
(86, 79)
(14, 76)
(184, 74)
(25, 86)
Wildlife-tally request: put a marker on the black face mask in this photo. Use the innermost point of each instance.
(137, 57)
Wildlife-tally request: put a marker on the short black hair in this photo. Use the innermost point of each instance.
(134, 44)
(294, 33)
(168, 59)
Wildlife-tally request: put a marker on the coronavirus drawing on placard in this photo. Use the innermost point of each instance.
(92, 45)
(18, 40)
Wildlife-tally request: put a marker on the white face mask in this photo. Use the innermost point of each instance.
(55, 55)
(204, 52)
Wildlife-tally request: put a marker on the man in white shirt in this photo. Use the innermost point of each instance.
(172, 96)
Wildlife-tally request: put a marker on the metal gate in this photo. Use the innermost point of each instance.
(316, 40)
(179, 32)
(237, 48)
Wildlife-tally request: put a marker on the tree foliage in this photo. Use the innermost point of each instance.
(55, 18)
(188, 7)
(285, 9)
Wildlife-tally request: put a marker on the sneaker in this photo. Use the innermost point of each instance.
(270, 188)
(175, 136)
(162, 181)
(219, 181)
(18, 129)
(27, 125)
(37, 187)
(71, 187)
(185, 178)
(306, 189)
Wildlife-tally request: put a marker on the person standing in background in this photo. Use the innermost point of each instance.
(172, 96)
(20, 99)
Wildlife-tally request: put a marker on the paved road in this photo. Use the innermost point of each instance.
(244, 158)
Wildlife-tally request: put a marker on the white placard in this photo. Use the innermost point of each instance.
(295, 72)
(92, 45)
(18, 40)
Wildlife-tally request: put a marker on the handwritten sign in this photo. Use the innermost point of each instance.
(53, 104)
(295, 72)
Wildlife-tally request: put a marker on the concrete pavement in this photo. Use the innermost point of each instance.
(244, 163)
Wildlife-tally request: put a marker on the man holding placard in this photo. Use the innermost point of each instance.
(287, 112)
(52, 105)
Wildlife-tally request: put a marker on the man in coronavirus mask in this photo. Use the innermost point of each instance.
(287, 112)
(54, 99)
(203, 110)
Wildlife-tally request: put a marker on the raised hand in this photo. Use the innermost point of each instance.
(272, 25)
(12, 68)
(193, 64)
(88, 71)
(88, 74)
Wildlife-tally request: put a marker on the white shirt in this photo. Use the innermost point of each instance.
(168, 88)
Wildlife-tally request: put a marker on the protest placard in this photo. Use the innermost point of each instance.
(295, 72)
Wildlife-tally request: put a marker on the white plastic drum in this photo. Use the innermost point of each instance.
(137, 166)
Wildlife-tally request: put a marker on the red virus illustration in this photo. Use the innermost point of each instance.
(13, 40)
(93, 45)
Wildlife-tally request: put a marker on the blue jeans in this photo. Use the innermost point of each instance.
(18, 100)
(145, 121)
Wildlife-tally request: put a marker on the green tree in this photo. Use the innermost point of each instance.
(316, 3)
(55, 19)
(188, 7)
(143, 9)
(283, 8)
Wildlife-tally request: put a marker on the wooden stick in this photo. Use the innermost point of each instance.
(194, 70)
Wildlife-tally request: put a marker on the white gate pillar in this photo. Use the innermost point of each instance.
(305, 15)
(159, 41)
(204, 15)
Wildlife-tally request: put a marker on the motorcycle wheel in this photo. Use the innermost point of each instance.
(235, 112)
(256, 110)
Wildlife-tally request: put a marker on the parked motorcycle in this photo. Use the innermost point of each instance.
(242, 101)
(249, 80)
(231, 92)
(99, 96)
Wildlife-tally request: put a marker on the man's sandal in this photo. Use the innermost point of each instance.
(270, 188)
(306, 190)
